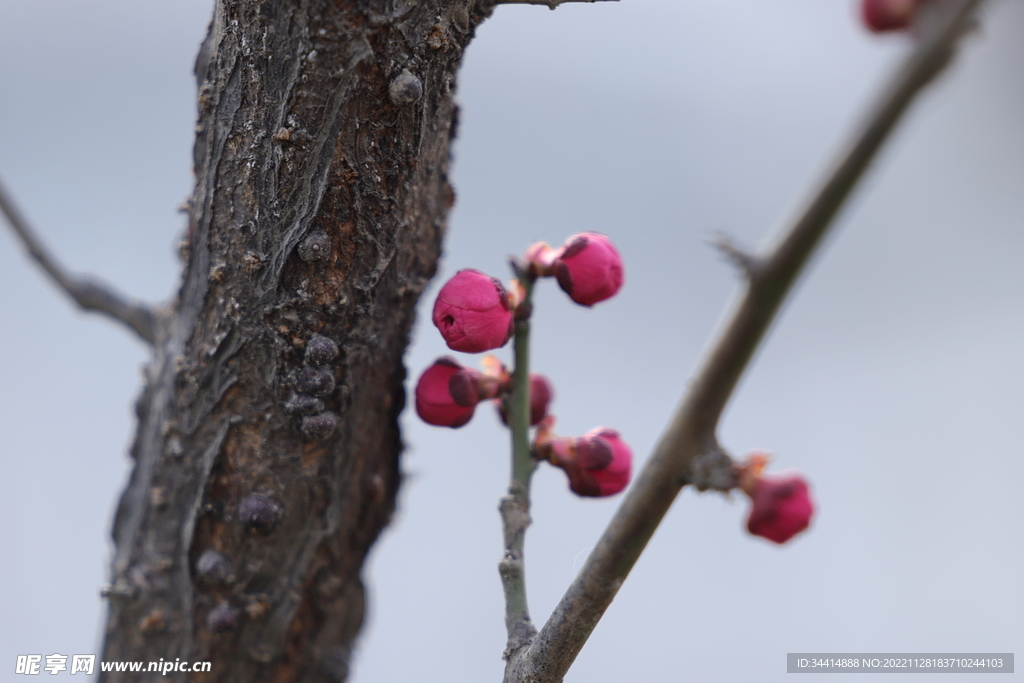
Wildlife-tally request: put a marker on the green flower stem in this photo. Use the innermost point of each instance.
(515, 507)
(519, 402)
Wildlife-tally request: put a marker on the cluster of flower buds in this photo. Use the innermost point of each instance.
(599, 463)
(781, 504)
(474, 313)
(888, 15)
(588, 266)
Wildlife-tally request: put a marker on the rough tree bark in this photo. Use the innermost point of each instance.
(321, 194)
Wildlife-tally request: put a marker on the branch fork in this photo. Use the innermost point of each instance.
(688, 450)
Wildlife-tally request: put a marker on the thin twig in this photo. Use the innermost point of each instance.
(691, 432)
(89, 294)
(515, 507)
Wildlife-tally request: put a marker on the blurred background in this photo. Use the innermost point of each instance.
(894, 378)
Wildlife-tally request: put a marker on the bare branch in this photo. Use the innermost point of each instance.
(691, 432)
(89, 294)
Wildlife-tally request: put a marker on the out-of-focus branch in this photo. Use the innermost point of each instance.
(89, 294)
(689, 442)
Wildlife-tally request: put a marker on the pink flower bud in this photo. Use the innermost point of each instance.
(781, 508)
(597, 463)
(589, 268)
(540, 259)
(473, 312)
(447, 393)
(541, 394)
(888, 15)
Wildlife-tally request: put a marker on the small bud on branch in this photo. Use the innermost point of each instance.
(473, 312)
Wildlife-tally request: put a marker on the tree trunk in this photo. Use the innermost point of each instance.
(266, 465)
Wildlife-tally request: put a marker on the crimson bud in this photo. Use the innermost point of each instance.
(447, 393)
(598, 463)
(781, 503)
(781, 508)
(540, 259)
(473, 312)
(589, 268)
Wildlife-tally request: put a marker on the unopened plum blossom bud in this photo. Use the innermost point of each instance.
(589, 268)
(598, 463)
(540, 259)
(541, 394)
(444, 397)
(781, 503)
(447, 393)
(781, 507)
(888, 15)
(473, 312)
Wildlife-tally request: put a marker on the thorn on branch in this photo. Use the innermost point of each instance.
(90, 295)
(746, 262)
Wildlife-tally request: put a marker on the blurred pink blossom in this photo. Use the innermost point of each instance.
(888, 15)
(781, 508)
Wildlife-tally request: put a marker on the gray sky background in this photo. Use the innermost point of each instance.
(894, 379)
